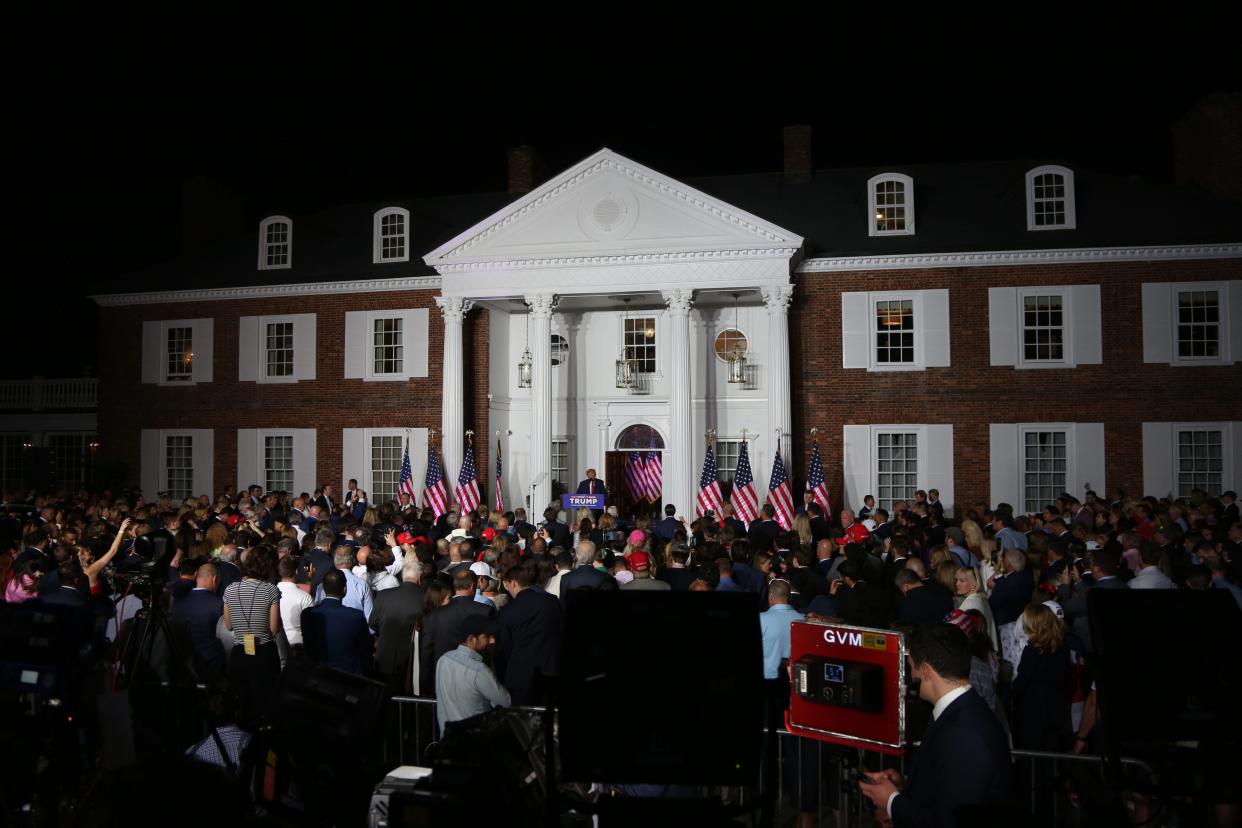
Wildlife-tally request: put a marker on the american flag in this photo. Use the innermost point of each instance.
(745, 501)
(709, 487)
(467, 491)
(653, 471)
(406, 483)
(815, 480)
(435, 493)
(635, 476)
(780, 495)
(499, 499)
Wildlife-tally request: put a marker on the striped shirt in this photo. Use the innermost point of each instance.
(250, 604)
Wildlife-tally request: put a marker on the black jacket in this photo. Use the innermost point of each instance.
(442, 633)
(963, 761)
(199, 610)
(337, 636)
(865, 605)
(924, 605)
(582, 577)
(393, 614)
(530, 640)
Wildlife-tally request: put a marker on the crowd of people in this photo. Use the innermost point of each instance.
(466, 606)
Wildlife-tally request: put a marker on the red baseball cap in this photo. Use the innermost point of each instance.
(489, 534)
(234, 520)
(639, 560)
(405, 537)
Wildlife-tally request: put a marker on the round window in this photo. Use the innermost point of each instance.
(560, 349)
(730, 344)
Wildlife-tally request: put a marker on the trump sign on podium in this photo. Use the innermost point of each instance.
(573, 502)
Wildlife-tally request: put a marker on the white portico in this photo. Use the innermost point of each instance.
(610, 256)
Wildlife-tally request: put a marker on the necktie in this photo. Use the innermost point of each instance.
(592, 487)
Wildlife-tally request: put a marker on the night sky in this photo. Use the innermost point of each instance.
(104, 175)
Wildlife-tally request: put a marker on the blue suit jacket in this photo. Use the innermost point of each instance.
(200, 610)
(337, 636)
(963, 761)
(1010, 596)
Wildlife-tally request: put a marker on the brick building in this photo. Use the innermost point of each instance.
(1038, 328)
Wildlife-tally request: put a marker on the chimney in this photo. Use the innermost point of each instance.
(209, 212)
(1207, 146)
(521, 169)
(798, 153)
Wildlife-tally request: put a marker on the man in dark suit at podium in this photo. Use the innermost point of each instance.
(962, 766)
(593, 485)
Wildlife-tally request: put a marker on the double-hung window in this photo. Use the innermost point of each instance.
(179, 354)
(560, 463)
(1050, 199)
(179, 465)
(895, 330)
(386, 453)
(1198, 324)
(1200, 460)
(890, 205)
(392, 242)
(388, 345)
(640, 343)
(1045, 466)
(896, 467)
(278, 463)
(275, 243)
(1192, 323)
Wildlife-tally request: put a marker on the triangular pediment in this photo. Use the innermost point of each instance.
(607, 206)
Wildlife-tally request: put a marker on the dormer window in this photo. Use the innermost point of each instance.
(392, 242)
(1050, 199)
(275, 243)
(890, 205)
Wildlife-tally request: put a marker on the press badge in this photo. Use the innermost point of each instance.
(248, 643)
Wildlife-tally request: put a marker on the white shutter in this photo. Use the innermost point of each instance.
(203, 458)
(1157, 322)
(855, 331)
(1089, 460)
(1086, 339)
(305, 457)
(1157, 459)
(304, 354)
(151, 462)
(936, 464)
(355, 458)
(356, 337)
(1233, 471)
(856, 442)
(203, 329)
(935, 328)
(249, 458)
(247, 352)
(1002, 319)
(1234, 296)
(152, 353)
(418, 461)
(417, 334)
(1003, 462)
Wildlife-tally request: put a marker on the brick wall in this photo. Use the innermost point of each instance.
(329, 403)
(971, 393)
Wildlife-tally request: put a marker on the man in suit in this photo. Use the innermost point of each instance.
(442, 629)
(584, 575)
(764, 531)
(393, 617)
(336, 635)
(530, 636)
(593, 485)
(556, 533)
(318, 562)
(327, 500)
(820, 528)
(934, 504)
(199, 610)
(679, 574)
(665, 529)
(920, 604)
(226, 568)
(1011, 592)
(861, 603)
(1072, 593)
(963, 764)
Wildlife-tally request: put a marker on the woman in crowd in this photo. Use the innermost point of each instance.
(969, 595)
(1041, 693)
(252, 612)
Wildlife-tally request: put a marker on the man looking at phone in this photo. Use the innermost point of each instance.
(963, 763)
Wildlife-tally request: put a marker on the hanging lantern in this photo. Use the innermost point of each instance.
(627, 369)
(737, 354)
(527, 365)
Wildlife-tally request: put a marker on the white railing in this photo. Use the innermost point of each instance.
(39, 393)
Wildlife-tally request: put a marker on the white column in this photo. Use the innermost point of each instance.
(603, 424)
(679, 469)
(453, 393)
(541, 305)
(776, 298)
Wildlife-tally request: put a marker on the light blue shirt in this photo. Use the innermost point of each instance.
(1010, 538)
(357, 594)
(774, 626)
(465, 686)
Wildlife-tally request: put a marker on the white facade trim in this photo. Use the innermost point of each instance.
(605, 160)
(160, 297)
(1002, 258)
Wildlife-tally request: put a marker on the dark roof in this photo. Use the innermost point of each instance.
(958, 208)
